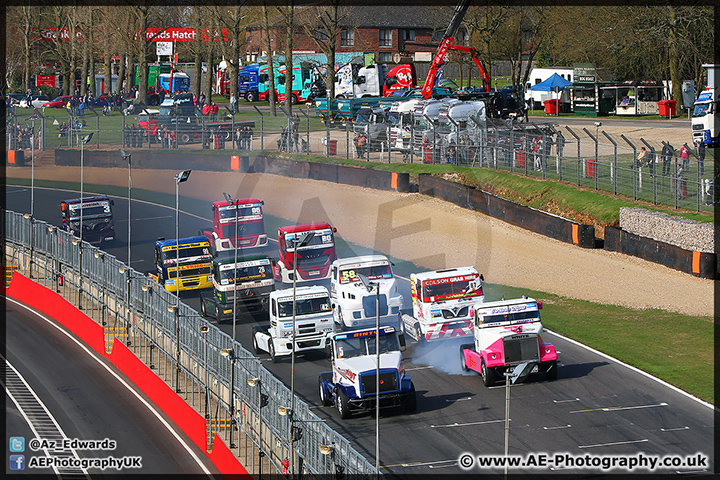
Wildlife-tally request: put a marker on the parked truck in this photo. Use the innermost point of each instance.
(97, 218)
(250, 225)
(313, 322)
(352, 384)
(706, 119)
(400, 118)
(355, 307)
(338, 112)
(250, 279)
(313, 259)
(443, 303)
(374, 80)
(507, 333)
(181, 117)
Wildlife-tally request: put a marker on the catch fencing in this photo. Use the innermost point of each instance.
(193, 356)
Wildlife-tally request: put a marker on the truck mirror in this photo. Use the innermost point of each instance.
(401, 339)
(112, 202)
(482, 279)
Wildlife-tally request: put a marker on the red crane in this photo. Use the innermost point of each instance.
(445, 45)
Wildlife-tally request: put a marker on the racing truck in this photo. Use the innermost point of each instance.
(508, 333)
(353, 306)
(442, 302)
(191, 256)
(97, 218)
(313, 259)
(250, 225)
(313, 322)
(352, 384)
(250, 278)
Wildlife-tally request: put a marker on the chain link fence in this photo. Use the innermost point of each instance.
(193, 356)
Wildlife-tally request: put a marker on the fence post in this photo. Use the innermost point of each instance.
(613, 169)
(634, 165)
(653, 169)
(579, 160)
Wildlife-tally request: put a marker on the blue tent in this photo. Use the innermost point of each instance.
(550, 84)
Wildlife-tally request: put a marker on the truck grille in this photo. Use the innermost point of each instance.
(388, 382)
(306, 329)
(521, 348)
(455, 313)
(697, 126)
(369, 303)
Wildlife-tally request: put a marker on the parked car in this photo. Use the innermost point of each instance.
(37, 101)
(58, 102)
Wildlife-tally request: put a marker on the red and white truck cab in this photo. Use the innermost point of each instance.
(443, 302)
(313, 259)
(250, 225)
(508, 333)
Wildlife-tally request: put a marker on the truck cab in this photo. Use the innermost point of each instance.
(251, 278)
(352, 384)
(355, 307)
(250, 225)
(508, 333)
(400, 118)
(313, 259)
(97, 218)
(175, 82)
(313, 322)
(443, 303)
(706, 119)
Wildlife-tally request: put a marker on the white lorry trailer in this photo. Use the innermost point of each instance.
(443, 303)
(313, 322)
(353, 306)
(352, 384)
(508, 333)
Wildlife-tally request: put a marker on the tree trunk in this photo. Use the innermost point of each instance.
(271, 73)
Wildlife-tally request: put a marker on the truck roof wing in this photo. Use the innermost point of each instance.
(305, 227)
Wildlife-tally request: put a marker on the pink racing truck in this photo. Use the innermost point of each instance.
(313, 259)
(442, 302)
(508, 333)
(250, 225)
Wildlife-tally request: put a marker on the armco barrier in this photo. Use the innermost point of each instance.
(188, 420)
(516, 214)
(701, 264)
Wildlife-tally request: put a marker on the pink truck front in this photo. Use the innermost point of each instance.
(508, 333)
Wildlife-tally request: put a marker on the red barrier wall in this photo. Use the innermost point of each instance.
(226, 462)
(53, 305)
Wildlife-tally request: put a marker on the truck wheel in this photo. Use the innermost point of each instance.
(256, 348)
(418, 333)
(462, 355)
(342, 402)
(203, 308)
(271, 348)
(184, 138)
(250, 97)
(551, 374)
(411, 400)
(323, 394)
(488, 375)
(293, 100)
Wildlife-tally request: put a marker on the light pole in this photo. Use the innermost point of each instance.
(99, 254)
(204, 330)
(369, 286)
(128, 157)
(53, 252)
(29, 216)
(229, 200)
(262, 402)
(179, 178)
(298, 241)
(85, 140)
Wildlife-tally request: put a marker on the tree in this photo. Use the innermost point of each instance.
(287, 13)
(271, 72)
(232, 19)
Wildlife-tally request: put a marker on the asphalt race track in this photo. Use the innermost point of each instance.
(597, 408)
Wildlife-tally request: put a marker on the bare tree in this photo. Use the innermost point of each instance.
(271, 72)
(288, 12)
(231, 18)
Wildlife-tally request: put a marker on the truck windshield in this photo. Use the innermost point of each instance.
(228, 213)
(444, 126)
(319, 240)
(357, 347)
(363, 117)
(446, 289)
(186, 253)
(372, 273)
(90, 210)
(702, 109)
(511, 317)
(304, 306)
(245, 274)
(393, 118)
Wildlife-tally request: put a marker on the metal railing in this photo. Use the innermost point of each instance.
(134, 309)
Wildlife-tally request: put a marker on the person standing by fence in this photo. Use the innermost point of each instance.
(668, 152)
(684, 157)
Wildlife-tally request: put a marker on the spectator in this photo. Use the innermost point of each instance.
(248, 137)
(701, 157)
(668, 152)
(684, 157)
(214, 109)
(201, 99)
(206, 110)
(233, 101)
(642, 157)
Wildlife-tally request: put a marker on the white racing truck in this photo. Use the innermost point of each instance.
(313, 322)
(353, 305)
(352, 384)
(508, 333)
(443, 302)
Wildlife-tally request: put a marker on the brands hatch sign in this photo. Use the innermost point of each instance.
(151, 34)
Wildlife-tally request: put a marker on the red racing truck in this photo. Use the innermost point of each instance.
(250, 225)
(313, 259)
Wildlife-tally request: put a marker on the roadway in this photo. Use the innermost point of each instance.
(88, 403)
(597, 406)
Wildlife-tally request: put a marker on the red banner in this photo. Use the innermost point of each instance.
(45, 80)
